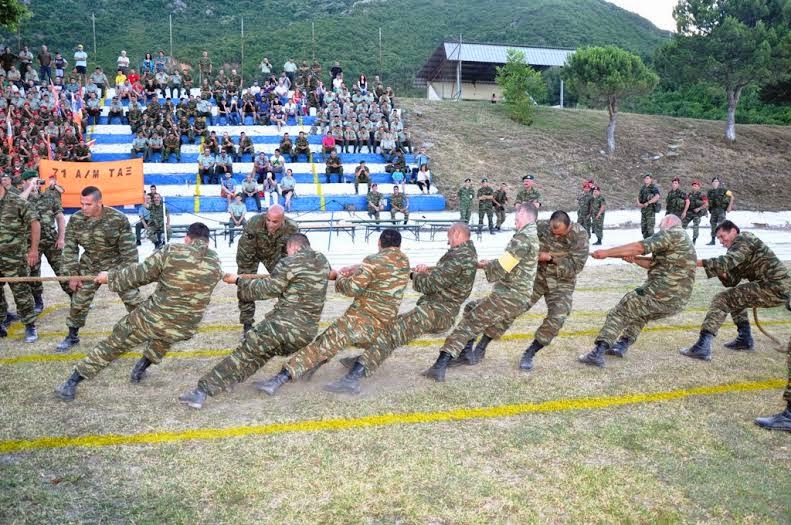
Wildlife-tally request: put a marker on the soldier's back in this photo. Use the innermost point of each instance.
(455, 272)
(761, 263)
(524, 246)
(388, 276)
(308, 273)
(671, 274)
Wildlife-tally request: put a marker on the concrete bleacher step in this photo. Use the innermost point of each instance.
(335, 189)
(166, 179)
(349, 159)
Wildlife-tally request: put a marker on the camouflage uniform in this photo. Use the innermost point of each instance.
(528, 195)
(485, 206)
(675, 202)
(664, 293)
(445, 288)
(186, 275)
(109, 244)
(748, 258)
(300, 284)
(555, 281)
(257, 245)
(466, 195)
(16, 216)
(399, 201)
(597, 223)
(47, 205)
(377, 287)
(719, 200)
(513, 274)
(373, 199)
(648, 214)
(156, 224)
(584, 212)
(696, 202)
(499, 209)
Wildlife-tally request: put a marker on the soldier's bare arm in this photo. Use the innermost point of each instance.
(35, 236)
(633, 248)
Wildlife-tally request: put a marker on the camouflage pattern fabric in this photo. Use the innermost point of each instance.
(466, 196)
(584, 214)
(696, 202)
(16, 216)
(675, 202)
(300, 284)
(399, 201)
(647, 214)
(373, 199)
(485, 207)
(749, 259)
(499, 210)
(186, 275)
(554, 282)
(513, 274)
(787, 391)
(377, 287)
(597, 223)
(445, 287)
(719, 200)
(47, 205)
(256, 246)
(665, 292)
(108, 243)
(525, 195)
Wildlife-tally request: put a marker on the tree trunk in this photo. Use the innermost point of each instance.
(612, 109)
(733, 101)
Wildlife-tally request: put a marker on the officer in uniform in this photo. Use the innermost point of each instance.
(584, 206)
(676, 200)
(485, 200)
(399, 204)
(694, 209)
(500, 201)
(528, 193)
(598, 206)
(647, 201)
(466, 195)
(301, 147)
(172, 146)
(720, 202)
(374, 202)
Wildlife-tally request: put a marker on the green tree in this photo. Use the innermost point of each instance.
(733, 43)
(522, 87)
(12, 12)
(605, 75)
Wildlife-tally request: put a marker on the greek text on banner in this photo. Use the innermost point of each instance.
(121, 182)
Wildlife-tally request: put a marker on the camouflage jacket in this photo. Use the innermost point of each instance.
(675, 202)
(584, 204)
(399, 201)
(485, 192)
(16, 215)
(158, 215)
(570, 252)
(525, 195)
(257, 245)
(646, 194)
(671, 274)
(48, 206)
(515, 271)
(299, 282)
(449, 283)
(502, 197)
(719, 199)
(696, 200)
(466, 195)
(186, 275)
(596, 205)
(108, 242)
(749, 258)
(377, 285)
(373, 199)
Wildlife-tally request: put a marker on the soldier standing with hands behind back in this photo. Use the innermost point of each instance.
(720, 202)
(485, 200)
(694, 210)
(500, 201)
(646, 201)
(466, 195)
(676, 200)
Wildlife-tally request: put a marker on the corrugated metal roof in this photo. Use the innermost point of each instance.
(497, 54)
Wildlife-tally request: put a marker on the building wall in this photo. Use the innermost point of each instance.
(469, 90)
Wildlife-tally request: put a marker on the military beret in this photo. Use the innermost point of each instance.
(715, 178)
(528, 177)
(484, 179)
(696, 182)
(468, 180)
(676, 179)
(29, 174)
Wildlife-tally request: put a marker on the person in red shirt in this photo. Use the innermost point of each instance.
(327, 144)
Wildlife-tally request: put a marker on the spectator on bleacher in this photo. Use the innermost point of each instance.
(334, 166)
(160, 62)
(186, 129)
(362, 84)
(404, 139)
(222, 112)
(249, 109)
(223, 164)
(25, 58)
(337, 134)
(133, 77)
(228, 146)
(250, 191)
(277, 163)
(246, 146)
(424, 179)
(204, 109)
(155, 145)
(100, 80)
(122, 63)
(172, 147)
(186, 79)
(93, 108)
(301, 147)
(15, 77)
(116, 110)
(388, 145)
(234, 115)
(362, 175)
(60, 66)
(287, 147)
(270, 189)
(148, 64)
(289, 68)
(140, 145)
(399, 204)
(350, 139)
(81, 63)
(161, 79)
(398, 163)
(205, 67)
(287, 188)
(398, 177)
(260, 167)
(375, 203)
(150, 91)
(144, 216)
(174, 83)
(206, 163)
(31, 76)
(236, 210)
(159, 219)
(81, 152)
(277, 115)
(120, 80)
(266, 68)
(228, 186)
(327, 144)
(7, 59)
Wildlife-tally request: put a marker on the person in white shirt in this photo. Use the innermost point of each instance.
(81, 63)
(123, 62)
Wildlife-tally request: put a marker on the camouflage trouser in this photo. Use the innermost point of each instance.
(47, 249)
(126, 335)
(426, 318)
(81, 302)
(347, 330)
(557, 295)
(598, 227)
(585, 221)
(695, 225)
(737, 299)
(246, 308)
(464, 214)
(393, 215)
(479, 315)
(632, 313)
(647, 219)
(488, 212)
(716, 217)
(787, 392)
(266, 340)
(23, 297)
(167, 152)
(500, 214)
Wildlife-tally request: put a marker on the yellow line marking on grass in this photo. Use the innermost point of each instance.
(381, 420)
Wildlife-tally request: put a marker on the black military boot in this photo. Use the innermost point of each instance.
(620, 347)
(744, 338)
(3, 331)
(193, 398)
(526, 363)
(10, 318)
(31, 334)
(67, 390)
(465, 356)
(701, 349)
(480, 349)
(139, 371)
(271, 385)
(694, 240)
(712, 241)
(781, 421)
(437, 371)
(349, 361)
(70, 340)
(596, 356)
(350, 383)
(38, 303)
(598, 242)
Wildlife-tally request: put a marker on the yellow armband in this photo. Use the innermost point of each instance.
(729, 193)
(508, 261)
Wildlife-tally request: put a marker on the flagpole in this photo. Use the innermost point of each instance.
(93, 21)
(241, 66)
(170, 18)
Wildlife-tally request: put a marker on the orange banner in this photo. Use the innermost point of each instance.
(121, 182)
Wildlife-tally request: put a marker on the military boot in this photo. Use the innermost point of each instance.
(526, 363)
(596, 356)
(437, 371)
(744, 338)
(480, 349)
(10, 318)
(465, 356)
(620, 347)
(193, 398)
(349, 361)
(598, 242)
(781, 421)
(139, 371)
(701, 349)
(712, 241)
(70, 340)
(350, 383)
(38, 303)
(694, 239)
(271, 385)
(31, 334)
(68, 390)
(3, 331)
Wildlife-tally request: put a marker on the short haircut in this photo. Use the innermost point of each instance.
(727, 226)
(298, 239)
(560, 216)
(529, 208)
(92, 191)
(198, 230)
(390, 238)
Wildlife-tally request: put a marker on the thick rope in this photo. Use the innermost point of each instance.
(65, 278)
(778, 345)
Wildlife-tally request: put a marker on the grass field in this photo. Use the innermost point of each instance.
(693, 459)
